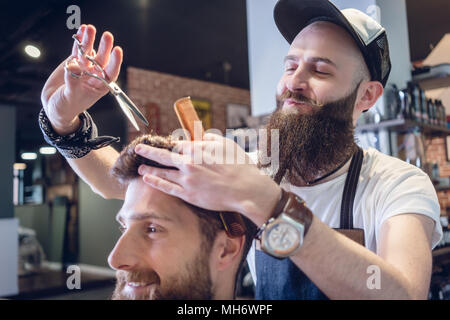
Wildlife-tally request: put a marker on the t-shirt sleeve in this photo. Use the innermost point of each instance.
(411, 192)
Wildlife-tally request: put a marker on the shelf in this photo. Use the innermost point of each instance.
(441, 188)
(434, 77)
(402, 125)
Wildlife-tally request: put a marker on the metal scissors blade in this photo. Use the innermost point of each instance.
(126, 104)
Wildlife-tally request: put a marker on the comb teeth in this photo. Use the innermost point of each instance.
(236, 230)
(233, 223)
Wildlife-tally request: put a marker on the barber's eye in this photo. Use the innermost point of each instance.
(321, 73)
(122, 229)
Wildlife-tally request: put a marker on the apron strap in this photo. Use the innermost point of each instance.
(348, 197)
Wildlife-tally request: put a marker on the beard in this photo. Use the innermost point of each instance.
(312, 144)
(193, 283)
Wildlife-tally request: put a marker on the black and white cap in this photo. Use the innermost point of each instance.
(291, 16)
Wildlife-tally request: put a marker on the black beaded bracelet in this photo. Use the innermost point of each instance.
(78, 144)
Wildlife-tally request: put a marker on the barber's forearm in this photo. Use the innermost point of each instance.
(94, 169)
(340, 267)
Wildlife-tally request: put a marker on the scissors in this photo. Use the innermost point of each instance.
(122, 99)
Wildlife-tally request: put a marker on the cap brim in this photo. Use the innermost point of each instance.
(292, 16)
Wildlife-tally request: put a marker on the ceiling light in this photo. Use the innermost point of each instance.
(32, 51)
(47, 150)
(20, 166)
(29, 156)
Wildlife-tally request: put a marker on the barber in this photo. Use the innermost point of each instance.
(336, 221)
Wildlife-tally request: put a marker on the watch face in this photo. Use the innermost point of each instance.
(282, 238)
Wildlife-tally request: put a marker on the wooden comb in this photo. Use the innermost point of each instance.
(187, 116)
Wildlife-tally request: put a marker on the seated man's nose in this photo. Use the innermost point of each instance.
(123, 256)
(118, 261)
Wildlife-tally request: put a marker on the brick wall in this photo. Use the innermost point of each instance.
(155, 93)
(436, 153)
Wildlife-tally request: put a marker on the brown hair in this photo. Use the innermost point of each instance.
(126, 168)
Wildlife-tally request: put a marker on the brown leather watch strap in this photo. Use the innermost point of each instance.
(295, 207)
(280, 205)
(297, 210)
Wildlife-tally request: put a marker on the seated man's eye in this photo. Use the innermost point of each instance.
(153, 229)
(122, 229)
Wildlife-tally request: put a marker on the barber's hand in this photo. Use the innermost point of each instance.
(213, 184)
(65, 97)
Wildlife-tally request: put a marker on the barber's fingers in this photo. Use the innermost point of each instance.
(80, 34)
(72, 73)
(213, 137)
(115, 62)
(164, 186)
(87, 42)
(170, 175)
(104, 49)
(162, 156)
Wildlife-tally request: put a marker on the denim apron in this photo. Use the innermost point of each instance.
(281, 279)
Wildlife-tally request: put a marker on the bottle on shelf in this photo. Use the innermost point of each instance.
(439, 112)
(432, 108)
(412, 102)
(444, 115)
(403, 110)
(417, 104)
(428, 110)
(424, 107)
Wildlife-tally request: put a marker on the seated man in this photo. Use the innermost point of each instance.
(170, 249)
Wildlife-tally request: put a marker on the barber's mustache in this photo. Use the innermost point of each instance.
(298, 97)
(148, 276)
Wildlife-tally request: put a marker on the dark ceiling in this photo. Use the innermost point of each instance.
(428, 21)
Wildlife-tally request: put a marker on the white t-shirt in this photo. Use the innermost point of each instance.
(387, 187)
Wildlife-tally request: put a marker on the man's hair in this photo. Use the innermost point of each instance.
(126, 168)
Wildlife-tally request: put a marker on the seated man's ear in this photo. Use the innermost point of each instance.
(227, 251)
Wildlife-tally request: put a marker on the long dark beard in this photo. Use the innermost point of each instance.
(193, 282)
(311, 145)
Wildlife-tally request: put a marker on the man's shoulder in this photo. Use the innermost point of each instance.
(378, 163)
(385, 176)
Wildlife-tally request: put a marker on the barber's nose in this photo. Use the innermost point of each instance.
(124, 255)
(298, 81)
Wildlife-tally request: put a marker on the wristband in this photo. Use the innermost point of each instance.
(78, 144)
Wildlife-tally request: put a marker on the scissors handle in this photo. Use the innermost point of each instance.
(123, 100)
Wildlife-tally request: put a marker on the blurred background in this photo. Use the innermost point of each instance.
(227, 55)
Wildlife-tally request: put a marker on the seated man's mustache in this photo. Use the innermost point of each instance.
(144, 277)
(298, 97)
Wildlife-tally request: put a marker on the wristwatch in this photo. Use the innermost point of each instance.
(282, 235)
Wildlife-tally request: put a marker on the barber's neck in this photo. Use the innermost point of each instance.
(300, 182)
